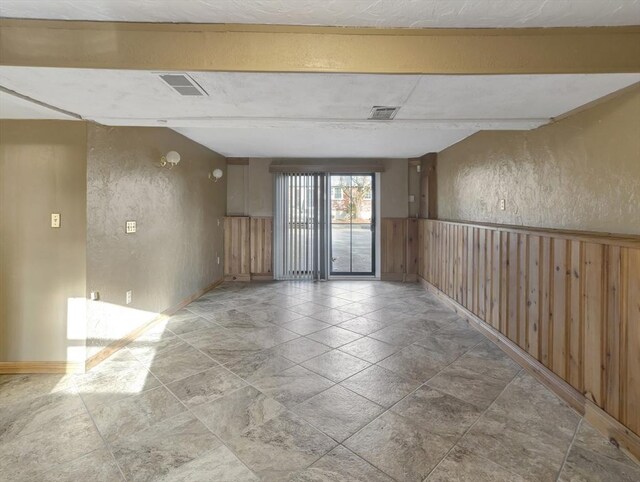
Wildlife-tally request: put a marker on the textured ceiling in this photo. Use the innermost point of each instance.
(361, 13)
(311, 115)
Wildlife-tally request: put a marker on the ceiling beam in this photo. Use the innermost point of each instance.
(264, 48)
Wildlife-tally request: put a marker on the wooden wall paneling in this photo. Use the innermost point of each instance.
(533, 298)
(261, 246)
(631, 342)
(575, 316)
(523, 263)
(412, 251)
(393, 248)
(504, 281)
(613, 329)
(559, 320)
(496, 262)
(593, 322)
(237, 248)
(513, 292)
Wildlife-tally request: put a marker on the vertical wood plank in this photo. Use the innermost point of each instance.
(593, 326)
(575, 316)
(496, 262)
(613, 330)
(559, 319)
(533, 298)
(631, 303)
(545, 301)
(514, 287)
(504, 281)
(523, 263)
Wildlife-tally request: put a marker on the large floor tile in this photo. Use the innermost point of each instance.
(281, 446)
(155, 452)
(24, 387)
(262, 364)
(241, 410)
(267, 337)
(363, 325)
(179, 363)
(336, 365)
(292, 386)
(305, 325)
(487, 359)
(219, 465)
(397, 335)
(340, 465)
(221, 345)
(98, 465)
(334, 336)
(135, 413)
(369, 349)
(300, 349)
(464, 466)
(184, 321)
(379, 385)
(399, 447)
(338, 412)
(206, 386)
(438, 412)
(333, 317)
(413, 362)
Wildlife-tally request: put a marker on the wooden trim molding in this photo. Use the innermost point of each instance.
(617, 433)
(41, 367)
(113, 347)
(277, 48)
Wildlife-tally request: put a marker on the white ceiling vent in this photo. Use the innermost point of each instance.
(183, 84)
(380, 112)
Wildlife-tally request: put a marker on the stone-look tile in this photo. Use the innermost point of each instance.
(241, 410)
(413, 362)
(24, 387)
(334, 336)
(146, 349)
(363, 326)
(38, 414)
(268, 337)
(335, 365)
(486, 358)
(219, 465)
(292, 386)
(397, 335)
(464, 466)
(338, 412)
(518, 446)
(438, 412)
(179, 363)
(300, 349)
(275, 315)
(99, 465)
(380, 385)
(117, 385)
(305, 325)
(309, 309)
(369, 349)
(585, 465)
(399, 447)
(135, 413)
(333, 317)
(478, 389)
(221, 345)
(206, 386)
(121, 360)
(359, 308)
(340, 465)
(447, 347)
(589, 438)
(158, 450)
(265, 363)
(184, 321)
(27, 456)
(420, 325)
(281, 446)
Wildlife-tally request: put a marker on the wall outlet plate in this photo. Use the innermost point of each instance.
(129, 297)
(502, 204)
(130, 227)
(94, 296)
(55, 220)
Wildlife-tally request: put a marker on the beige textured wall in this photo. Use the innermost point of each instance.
(173, 253)
(42, 269)
(582, 172)
(253, 188)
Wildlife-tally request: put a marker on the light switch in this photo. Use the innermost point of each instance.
(55, 220)
(502, 204)
(130, 227)
(129, 296)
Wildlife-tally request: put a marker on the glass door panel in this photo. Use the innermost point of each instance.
(352, 224)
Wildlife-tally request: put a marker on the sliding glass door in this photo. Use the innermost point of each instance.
(352, 245)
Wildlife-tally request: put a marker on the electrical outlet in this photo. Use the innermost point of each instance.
(130, 227)
(94, 296)
(129, 297)
(218, 259)
(55, 220)
(502, 204)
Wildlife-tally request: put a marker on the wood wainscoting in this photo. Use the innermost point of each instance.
(399, 249)
(248, 248)
(570, 301)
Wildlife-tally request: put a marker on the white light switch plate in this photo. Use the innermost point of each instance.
(129, 296)
(502, 204)
(55, 220)
(130, 227)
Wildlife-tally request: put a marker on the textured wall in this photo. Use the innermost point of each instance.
(42, 269)
(582, 172)
(173, 253)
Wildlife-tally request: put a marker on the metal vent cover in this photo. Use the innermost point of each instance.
(182, 84)
(380, 112)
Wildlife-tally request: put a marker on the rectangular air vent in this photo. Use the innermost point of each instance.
(380, 112)
(183, 84)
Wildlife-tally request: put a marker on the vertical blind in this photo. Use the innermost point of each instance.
(300, 231)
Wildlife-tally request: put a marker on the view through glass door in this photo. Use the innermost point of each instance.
(352, 224)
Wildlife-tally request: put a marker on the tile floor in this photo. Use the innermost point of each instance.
(336, 381)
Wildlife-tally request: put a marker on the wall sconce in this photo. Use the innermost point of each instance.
(170, 160)
(215, 175)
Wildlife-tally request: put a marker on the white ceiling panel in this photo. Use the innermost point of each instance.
(14, 107)
(360, 13)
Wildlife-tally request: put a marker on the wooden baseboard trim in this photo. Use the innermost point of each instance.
(7, 368)
(237, 277)
(261, 277)
(616, 432)
(109, 350)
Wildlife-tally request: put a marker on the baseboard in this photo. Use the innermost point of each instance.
(261, 277)
(113, 347)
(40, 367)
(392, 277)
(237, 277)
(616, 432)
